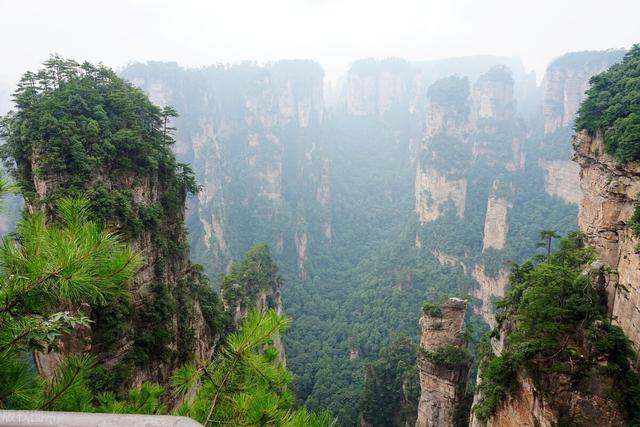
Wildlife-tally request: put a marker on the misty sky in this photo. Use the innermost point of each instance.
(332, 32)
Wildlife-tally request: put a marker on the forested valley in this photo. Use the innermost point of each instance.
(247, 245)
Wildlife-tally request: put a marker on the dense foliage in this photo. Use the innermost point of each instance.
(612, 106)
(82, 122)
(450, 357)
(391, 386)
(363, 286)
(256, 272)
(42, 269)
(80, 130)
(558, 325)
(244, 384)
(451, 92)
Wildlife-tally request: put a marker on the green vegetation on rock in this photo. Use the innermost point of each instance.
(556, 324)
(612, 106)
(43, 268)
(391, 385)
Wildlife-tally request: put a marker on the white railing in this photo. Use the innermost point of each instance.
(81, 419)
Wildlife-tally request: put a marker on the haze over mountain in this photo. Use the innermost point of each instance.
(332, 32)
(316, 213)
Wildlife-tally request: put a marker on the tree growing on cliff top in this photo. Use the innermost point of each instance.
(612, 106)
(79, 130)
(559, 330)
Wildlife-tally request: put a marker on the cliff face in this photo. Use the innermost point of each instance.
(565, 82)
(528, 406)
(166, 277)
(610, 191)
(561, 179)
(496, 225)
(252, 134)
(375, 88)
(564, 85)
(442, 386)
(472, 153)
(554, 398)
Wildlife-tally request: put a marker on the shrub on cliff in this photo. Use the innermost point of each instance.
(612, 105)
(559, 326)
(449, 357)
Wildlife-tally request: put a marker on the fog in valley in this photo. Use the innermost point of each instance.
(322, 212)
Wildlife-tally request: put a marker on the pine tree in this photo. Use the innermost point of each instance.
(244, 384)
(44, 267)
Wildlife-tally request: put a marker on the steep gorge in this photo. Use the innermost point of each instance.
(591, 390)
(252, 134)
(392, 195)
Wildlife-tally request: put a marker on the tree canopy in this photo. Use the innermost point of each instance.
(612, 106)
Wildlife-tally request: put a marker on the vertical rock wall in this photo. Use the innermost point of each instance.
(442, 388)
(610, 191)
(253, 135)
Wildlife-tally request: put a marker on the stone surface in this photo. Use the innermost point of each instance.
(527, 406)
(441, 388)
(434, 190)
(496, 224)
(565, 82)
(490, 287)
(610, 191)
(561, 179)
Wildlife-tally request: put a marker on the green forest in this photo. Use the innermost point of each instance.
(219, 243)
(69, 269)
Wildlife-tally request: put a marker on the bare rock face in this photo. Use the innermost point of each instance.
(490, 286)
(434, 190)
(496, 225)
(248, 130)
(483, 131)
(562, 180)
(373, 88)
(442, 387)
(301, 249)
(564, 85)
(527, 406)
(492, 96)
(610, 191)
(565, 82)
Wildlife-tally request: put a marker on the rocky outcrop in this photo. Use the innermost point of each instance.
(565, 82)
(610, 190)
(465, 132)
(550, 398)
(492, 96)
(527, 406)
(564, 85)
(496, 225)
(442, 386)
(161, 269)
